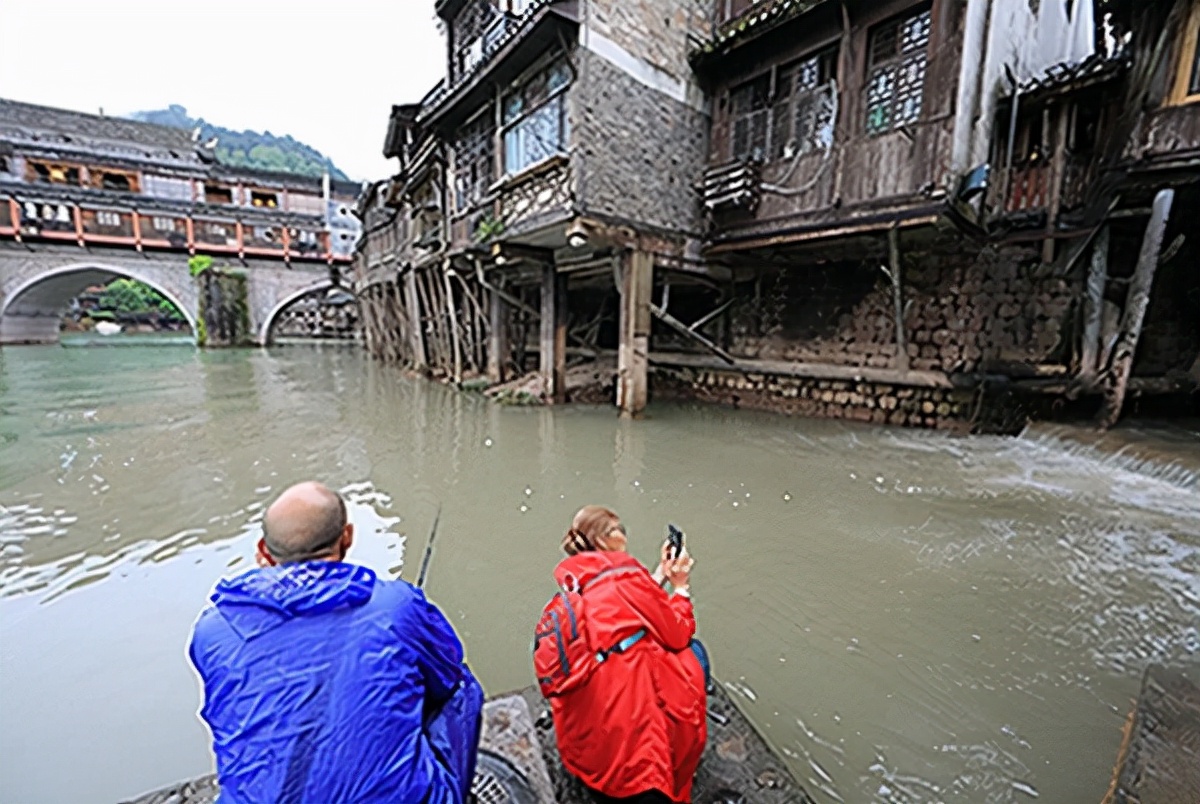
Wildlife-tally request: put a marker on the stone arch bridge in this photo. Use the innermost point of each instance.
(37, 284)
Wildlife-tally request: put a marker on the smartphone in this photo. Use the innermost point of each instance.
(675, 537)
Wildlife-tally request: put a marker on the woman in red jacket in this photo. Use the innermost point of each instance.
(636, 729)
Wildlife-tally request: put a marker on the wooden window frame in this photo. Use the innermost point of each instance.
(475, 160)
(893, 68)
(797, 116)
(554, 99)
(747, 113)
(1186, 89)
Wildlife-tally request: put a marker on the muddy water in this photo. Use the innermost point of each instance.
(906, 616)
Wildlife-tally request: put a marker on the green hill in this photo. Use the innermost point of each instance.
(253, 149)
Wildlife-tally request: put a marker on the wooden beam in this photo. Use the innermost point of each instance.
(416, 328)
(525, 308)
(813, 371)
(902, 363)
(1058, 168)
(452, 320)
(1135, 310)
(677, 325)
(552, 343)
(498, 344)
(637, 283)
(1093, 307)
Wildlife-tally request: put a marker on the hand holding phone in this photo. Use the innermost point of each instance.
(675, 539)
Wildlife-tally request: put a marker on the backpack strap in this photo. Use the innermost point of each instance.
(622, 646)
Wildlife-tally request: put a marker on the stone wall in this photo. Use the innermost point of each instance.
(637, 150)
(962, 315)
(869, 402)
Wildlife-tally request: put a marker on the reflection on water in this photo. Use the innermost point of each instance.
(906, 616)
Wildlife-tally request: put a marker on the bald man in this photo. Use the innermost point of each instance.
(323, 683)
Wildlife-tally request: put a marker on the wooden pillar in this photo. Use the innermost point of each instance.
(1093, 308)
(633, 351)
(498, 344)
(1058, 172)
(416, 328)
(902, 362)
(452, 321)
(1135, 310)
(553, 341)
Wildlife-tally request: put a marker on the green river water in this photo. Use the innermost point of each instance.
(908, 617)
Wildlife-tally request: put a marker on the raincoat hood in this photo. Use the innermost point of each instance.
(576, 572)
(263, 599)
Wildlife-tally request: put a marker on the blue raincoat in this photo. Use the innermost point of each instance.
(325, 684)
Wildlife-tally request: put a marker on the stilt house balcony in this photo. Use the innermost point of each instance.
(1047, 150)
(490, 43)
(829, 119)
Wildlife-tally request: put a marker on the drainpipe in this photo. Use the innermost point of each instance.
(971, 87)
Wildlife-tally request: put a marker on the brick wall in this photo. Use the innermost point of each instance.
(655, 31)
(637, 150)
(962, 314)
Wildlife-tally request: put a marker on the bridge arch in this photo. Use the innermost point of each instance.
(266, 332)
(33, 309)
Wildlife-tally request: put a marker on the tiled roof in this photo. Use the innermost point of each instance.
(757, 21)
(1096, 68)
(34, 119)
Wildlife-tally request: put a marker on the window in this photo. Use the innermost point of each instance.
(262, 198)
(215, 194)
(217, 230)
(751, 116)
(802, 114)
(161, 224)
(534, 114)
(1187, 79)
(108, 219)
(897, 60)
(48, 173)
(474, 160)
(114, 180)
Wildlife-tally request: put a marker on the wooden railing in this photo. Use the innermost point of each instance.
(163, 229)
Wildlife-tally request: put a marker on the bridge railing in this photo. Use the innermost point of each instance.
(65, 221)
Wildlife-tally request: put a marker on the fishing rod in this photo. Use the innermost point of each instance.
(429, 549)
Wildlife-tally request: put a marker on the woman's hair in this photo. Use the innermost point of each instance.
(592, 524)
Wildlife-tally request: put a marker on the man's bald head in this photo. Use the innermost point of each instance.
(307, 522)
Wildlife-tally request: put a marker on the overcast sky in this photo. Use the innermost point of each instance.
(325, 72)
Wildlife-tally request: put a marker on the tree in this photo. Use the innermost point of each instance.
(133, 297)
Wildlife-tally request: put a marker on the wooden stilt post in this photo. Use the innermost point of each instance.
(553, 341)
(498, 345)
(452, 323)
(416, 326)
(1135, 310)
(1093, 308)
(902, 363)
(633, 352)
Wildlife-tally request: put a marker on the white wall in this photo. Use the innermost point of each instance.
(1028, 43)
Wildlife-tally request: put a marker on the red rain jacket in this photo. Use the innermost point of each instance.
(638, 724)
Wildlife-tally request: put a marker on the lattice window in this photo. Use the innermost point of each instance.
(475, 160)
(750, 110)
(899, 55)
(111, 220)
(803, 109)
(535, 118)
